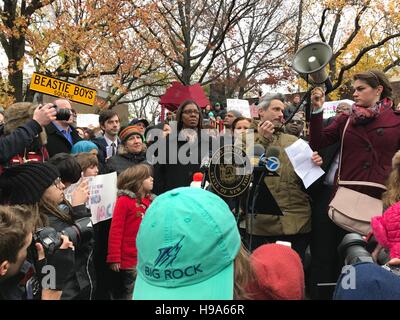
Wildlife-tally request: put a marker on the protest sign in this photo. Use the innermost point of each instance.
(239, 105)
(103, 195)
(330, 107)
(87, 120)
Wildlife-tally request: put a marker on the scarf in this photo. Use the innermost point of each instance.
(362, 116)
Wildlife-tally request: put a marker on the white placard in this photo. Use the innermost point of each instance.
(330, 107)
(87, 120)
(240, 105)
(103, 195)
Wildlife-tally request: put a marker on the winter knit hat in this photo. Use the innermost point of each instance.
(129, 131)
(83, 146)
(279, 273)
(26, 183)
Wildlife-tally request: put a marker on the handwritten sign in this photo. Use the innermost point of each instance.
(330, 107)
(239, 105)
(103, 195)
(87, 120)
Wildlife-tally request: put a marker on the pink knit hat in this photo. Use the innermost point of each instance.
(279, 273)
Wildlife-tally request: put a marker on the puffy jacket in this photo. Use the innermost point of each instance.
(125, 223)
(386, 229)
(289, 193)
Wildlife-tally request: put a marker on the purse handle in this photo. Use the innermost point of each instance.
(358, 183)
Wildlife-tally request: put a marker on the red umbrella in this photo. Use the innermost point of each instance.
(178, 93)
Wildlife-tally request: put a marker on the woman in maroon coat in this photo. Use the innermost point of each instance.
(372, 136)
(370, 141)
(134, 197)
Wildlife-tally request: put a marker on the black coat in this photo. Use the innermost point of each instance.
(57, 143)
(101, 143)
(120, 162)
(81, 284)
(168, 175)
(17, 141)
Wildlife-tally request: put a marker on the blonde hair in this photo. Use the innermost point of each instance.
(243, 274)
(392, 195)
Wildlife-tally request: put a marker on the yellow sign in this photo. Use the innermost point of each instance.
(62, 89)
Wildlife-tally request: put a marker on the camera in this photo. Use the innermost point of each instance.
(79, 233)
(62, 114)
(355, 249)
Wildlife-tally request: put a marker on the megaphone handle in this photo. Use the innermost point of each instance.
(307, 97)
(308, 108)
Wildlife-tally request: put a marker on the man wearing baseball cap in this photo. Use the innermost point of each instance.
(140, 123)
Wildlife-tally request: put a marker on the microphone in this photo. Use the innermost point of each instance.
(204, 166)
(259, 151)
(270, 160)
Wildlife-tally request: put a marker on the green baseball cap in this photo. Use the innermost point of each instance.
(187, 244)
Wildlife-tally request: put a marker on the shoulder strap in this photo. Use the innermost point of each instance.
(341, 147)
(358, 183)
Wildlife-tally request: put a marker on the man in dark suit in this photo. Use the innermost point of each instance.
(108, 143)
(108, 146)
(61, 135)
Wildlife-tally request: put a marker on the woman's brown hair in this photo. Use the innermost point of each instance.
(44, 208)
(375, 78)
(234, 123)
(132, 178)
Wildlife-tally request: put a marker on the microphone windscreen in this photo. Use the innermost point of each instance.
(273, 152)
(258, 150)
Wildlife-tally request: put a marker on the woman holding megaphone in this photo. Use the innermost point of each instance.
(369, 137)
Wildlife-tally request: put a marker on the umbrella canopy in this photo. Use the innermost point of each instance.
(178, 93)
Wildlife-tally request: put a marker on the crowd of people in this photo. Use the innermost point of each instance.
(166, 240)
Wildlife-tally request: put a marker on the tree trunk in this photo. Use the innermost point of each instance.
(15, 73)
(241, 92)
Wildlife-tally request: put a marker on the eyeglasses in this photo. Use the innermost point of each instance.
(58, 183)
(189, 112)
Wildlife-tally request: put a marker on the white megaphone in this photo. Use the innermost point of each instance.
(311, 60)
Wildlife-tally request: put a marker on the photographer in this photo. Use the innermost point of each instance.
(23, 132)
(61, 134)
(19, 279)
(361, 278)
(39, 185)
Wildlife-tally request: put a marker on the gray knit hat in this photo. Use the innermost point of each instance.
(26, 183)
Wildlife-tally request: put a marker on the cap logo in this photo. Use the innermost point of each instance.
(166, 256)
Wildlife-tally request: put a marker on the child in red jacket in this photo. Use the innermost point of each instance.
(134, 197)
